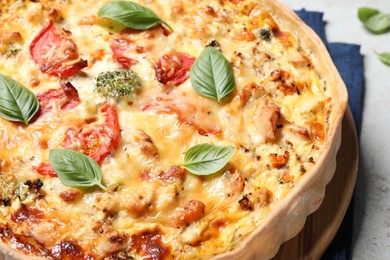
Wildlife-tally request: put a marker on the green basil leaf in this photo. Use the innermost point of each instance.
(211, 74)
(378, 23)
(131, 15)
(384, 57)
(75, 169)
(206, 159)
(364, 13)
(17, 103)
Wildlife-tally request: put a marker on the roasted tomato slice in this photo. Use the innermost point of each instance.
(96, 141)
(55, 53)
(173, 68)
(120, 47)
(45, 169)
(67, 96)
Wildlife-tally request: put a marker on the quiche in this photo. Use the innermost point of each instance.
(161, 129)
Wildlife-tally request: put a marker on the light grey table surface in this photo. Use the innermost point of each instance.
(371, 238)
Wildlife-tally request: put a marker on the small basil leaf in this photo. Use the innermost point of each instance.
(211, 74)
(17, 103)
(75, 169)
(378, 23)
(384, 57)
(364, 13)
(206, 159)
(131, 15)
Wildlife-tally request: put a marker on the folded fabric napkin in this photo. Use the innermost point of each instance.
(349, 63)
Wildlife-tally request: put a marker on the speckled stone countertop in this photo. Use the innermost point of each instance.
(371, 238)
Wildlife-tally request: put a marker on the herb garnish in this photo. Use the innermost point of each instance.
(131, 15)
(384, 57)
(374, 20)
(75, 169)
(206, 159)
(211, 74)
(17, 103)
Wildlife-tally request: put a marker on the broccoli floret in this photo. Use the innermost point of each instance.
(116, 84)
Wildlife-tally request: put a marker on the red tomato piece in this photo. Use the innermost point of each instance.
(55, 53)
(45, 169)
(72, 96)
(119, 47)
(67, 95)
(96, 141)
(173, 68)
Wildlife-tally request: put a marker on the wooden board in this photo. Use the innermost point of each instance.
(321, 226)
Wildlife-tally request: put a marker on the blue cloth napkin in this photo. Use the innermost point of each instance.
(349, 63)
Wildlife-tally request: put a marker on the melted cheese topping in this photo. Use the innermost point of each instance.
(275, 119)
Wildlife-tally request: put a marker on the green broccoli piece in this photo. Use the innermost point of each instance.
(117, 84)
